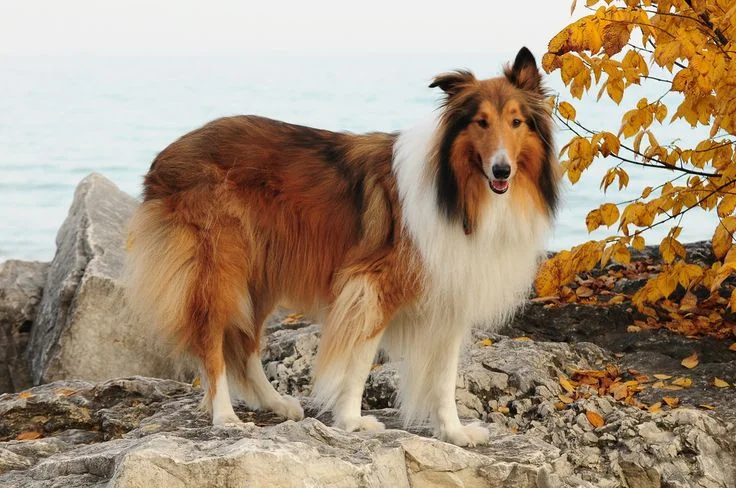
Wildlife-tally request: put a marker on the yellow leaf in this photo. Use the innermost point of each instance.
(719, 383)
(565, 383)
(567, 111)
(722, 240)
(682, 381)
(486, 343)
(25, 394)
(593, 220)
(662, 376)
(595, 419)
(732, 347)
(584, 292)
(707, 407)
(691, 361)
(609, 214)
(522, 338)
(638, 243)
(565, 399)
(671, 401)
(657, 407)
(615, 37)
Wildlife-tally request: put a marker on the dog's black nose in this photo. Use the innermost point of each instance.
(501, 171)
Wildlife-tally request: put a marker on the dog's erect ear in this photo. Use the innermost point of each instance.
(451, 83)
(524, 73)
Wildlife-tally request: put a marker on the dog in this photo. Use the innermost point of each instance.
(401, 240)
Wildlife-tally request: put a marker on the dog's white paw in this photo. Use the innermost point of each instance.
(226, 419)
(366, 423)
(467, 435)
(289, 407)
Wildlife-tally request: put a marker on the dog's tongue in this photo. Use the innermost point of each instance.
(499, 186)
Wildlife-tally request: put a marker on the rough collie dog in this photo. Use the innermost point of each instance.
(402, 240)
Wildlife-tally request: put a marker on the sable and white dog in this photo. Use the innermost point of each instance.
(402, 240)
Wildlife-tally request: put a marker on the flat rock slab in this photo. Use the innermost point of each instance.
(81, 330)
(137, 431)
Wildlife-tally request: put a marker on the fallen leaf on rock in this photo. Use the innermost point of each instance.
(663, 376)
(657, 407)
(719, 383)
(293, 318)
(616, 299)
(658, 384)
(584, 292)
(732, 347)
(691, 361)
(64, 391)
(486, 343)
(671, 401)
(594, 418)
(28, 436)
(707, 407)
(682, 381)
(503, 410)
(565, 399)
(671, 387)
(522, 338)
(565, 383)
(25, 394)
(633, 328)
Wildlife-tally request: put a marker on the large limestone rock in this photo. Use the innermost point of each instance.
(21, 286)
(80, 331)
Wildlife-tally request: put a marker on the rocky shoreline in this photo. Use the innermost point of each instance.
(103, 415)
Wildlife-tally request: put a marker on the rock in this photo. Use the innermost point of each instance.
(80, 330)
(21, 286)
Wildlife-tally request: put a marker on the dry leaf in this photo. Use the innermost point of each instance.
(684, 382)
(633, 328)
(25, 394)
(719, 383)
(671, 401)
(594, 418)
(503, 410)
(522, 338)
(486, 343)
(65, 391)
(707, 407)
(565, 383)
(691, 361)
(565, 399)
(584, 292)
(732, 347)
(657, 407)
(28, 436)
(671, 387)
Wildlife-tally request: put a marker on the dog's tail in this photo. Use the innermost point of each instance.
(159, 272)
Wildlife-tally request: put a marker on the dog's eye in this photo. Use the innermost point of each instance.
(483, 123)
(516, 123)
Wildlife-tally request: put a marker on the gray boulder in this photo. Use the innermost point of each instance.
(81, 330)
(21, 286)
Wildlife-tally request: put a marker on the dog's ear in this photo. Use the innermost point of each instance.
(524, 73)
(451, 83)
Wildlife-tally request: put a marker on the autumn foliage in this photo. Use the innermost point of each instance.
(680, 47)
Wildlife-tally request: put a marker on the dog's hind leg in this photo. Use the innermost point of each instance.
(348, 345)
(249, 381)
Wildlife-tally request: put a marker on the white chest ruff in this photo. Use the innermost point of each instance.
(480, 278)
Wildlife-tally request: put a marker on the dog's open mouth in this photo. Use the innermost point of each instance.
(499, 186)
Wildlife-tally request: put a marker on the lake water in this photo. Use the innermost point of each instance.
(64, 117)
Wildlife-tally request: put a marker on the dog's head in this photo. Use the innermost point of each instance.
(495, 133)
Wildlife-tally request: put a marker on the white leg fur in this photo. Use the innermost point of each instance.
(222, 407)
(259, 393)
(346, 412)
(346, 354)
(447, 426)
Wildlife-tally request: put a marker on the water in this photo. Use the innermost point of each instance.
(64, 117)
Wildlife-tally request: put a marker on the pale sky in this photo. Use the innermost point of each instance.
(199, 27)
